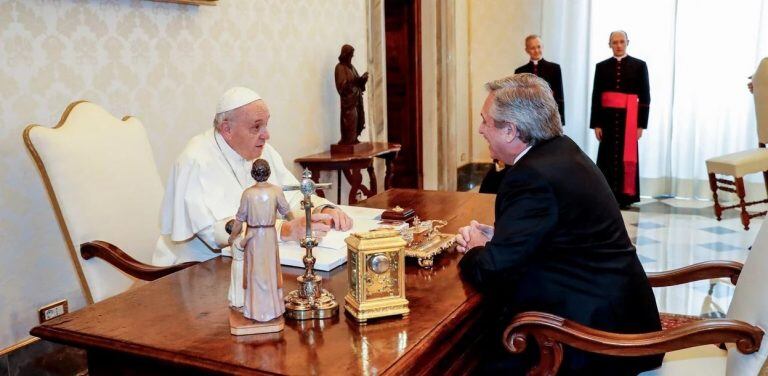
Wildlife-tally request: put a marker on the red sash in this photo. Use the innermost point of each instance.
(630, 102)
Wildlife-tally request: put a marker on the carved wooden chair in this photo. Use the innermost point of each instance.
(745, 162)
(103, 184)
(689, 346)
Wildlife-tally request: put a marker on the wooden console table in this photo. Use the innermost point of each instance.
(351, 165)
(178, 324)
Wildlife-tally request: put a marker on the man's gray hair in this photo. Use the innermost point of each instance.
(525, 101)
(221, 116)
(610, 36)
(532, 36)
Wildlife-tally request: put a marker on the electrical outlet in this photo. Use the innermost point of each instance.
(52, 310)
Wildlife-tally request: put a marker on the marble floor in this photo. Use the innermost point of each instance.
(672, 233)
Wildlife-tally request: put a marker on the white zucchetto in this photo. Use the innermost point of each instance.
(235, 97)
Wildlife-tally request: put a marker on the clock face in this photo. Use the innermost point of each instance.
(381, 275)
(379, 263)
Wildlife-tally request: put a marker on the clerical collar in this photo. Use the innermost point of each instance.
(620, 57)
(521, 154)
(227, 150)
(237, 164)
(536, 62)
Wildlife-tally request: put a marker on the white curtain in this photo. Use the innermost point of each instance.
(699, 55)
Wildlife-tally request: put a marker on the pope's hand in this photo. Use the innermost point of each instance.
(296, 228)
(339, 220)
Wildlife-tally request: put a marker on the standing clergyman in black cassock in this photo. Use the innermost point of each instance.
(547, 70)
(620, 101)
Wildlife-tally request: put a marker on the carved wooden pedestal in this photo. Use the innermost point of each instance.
(360, 147)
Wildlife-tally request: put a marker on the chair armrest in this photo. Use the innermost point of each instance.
(119, 259)
(697, 272)
(551, 332)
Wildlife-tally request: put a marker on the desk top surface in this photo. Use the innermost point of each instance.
(183, 318)
(377, 148)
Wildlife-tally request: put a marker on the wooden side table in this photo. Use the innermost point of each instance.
(351, 165)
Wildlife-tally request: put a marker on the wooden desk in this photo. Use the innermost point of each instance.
(351, 165)
(179, 325)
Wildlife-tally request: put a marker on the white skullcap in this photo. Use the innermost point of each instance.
(235, 97)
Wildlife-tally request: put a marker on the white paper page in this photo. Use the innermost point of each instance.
(332, 250)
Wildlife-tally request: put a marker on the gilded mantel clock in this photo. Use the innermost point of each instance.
(376, 270)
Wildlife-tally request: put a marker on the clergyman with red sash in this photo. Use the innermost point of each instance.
(620, 101)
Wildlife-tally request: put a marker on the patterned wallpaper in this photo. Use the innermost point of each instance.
(167, 65)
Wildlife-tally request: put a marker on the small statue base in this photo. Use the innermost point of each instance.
(241, 326)
(350, 149)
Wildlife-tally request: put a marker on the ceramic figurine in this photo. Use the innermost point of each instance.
(262, 278)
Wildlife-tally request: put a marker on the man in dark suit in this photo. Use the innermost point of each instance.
(558, 244)
(621, 99)
(550, 72)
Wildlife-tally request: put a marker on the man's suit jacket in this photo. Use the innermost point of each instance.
(550, 72)
(560, 246)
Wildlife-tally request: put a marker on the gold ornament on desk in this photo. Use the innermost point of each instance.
(376, 270)
(425, 241)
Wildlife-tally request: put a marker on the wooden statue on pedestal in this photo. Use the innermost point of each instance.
(350, 86)
(262, 278)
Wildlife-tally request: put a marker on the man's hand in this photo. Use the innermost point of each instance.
(599, 133)
(639, 133)
(296, 228)
(462, 239)
(476, 234)
(339, 220)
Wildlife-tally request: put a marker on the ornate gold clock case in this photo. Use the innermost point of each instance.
(376, 270)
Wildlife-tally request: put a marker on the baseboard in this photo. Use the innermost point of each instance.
(25, 342)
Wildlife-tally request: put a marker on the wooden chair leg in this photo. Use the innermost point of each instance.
(742, 203)
(713, 187)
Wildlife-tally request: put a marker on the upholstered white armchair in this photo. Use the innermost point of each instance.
(745, 162)
(105, 190)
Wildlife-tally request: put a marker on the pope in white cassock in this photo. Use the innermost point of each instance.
(205, 185)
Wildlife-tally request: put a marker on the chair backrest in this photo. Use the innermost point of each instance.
(103, 183)
(760, 90)
(750, 304)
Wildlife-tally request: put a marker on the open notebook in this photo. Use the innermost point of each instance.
(332, 250)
